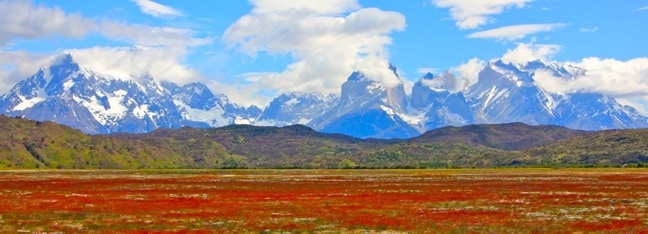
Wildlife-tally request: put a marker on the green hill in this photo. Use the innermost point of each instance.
(32, 144)
(614, 147)
(511, 136)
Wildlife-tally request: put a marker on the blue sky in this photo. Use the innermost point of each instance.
(253, 50)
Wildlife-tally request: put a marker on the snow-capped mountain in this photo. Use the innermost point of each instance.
(436, 103)
(95, 101)
(368, 108)
(296, 108)
(101, 102)
(200, 107)
(504, 94)
(508, 93)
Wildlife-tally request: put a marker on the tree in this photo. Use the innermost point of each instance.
(346, 164)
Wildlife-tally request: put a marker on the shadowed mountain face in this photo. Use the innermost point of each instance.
(98, 102)
(31, 144)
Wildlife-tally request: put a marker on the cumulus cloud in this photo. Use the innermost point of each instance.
(161, 62)
(525, 53)
(470, 14)
(327, 40)
(156, 9)
(627, 81)
(28, 21)
(18, 65)
(246, 94)
(329, 7)
(468, 73)
(515, 32)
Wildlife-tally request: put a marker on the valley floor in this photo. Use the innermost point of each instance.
(467, 200)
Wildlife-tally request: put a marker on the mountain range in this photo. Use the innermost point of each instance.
(99, 102)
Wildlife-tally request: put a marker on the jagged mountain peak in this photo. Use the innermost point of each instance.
(296, 108)
(427, 76)
(377, 80)
(97, 101)
(370, 104)
(564, 71)
(443, 82)
(65, 60)
(394, 69)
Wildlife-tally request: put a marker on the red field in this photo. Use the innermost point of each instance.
(496, 201)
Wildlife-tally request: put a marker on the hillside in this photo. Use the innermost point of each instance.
(287, 147)
(511, 136)
(612, 147)
(32, 144)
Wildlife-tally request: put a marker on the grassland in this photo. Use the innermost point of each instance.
(353, 201)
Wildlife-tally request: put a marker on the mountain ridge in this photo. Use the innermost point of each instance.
(100, 102)
(31, 144)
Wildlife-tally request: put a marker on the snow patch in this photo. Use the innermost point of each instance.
(104, 116)
(413, 119)
(214, 117)
(292, 102)
(389, 111)
(303, 121)
(27, 103)
(109, 74)
(140, 111)
(241, 120)
(67, 85)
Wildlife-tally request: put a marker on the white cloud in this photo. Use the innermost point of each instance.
(468, 73)
(18, 65)
(161, 62)
(614, 77)
(242, 94)
(21, 19)
(640, 104)
(588, 30)
(151, 36)
(325, 45)
(470, 14)
(515, 32)
(626, 80)
(525, 53)
(643, 9)
(328, 7)
(156, 9)
(425, 70)
(28, 21)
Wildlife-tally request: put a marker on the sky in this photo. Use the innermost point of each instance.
(254, 50)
